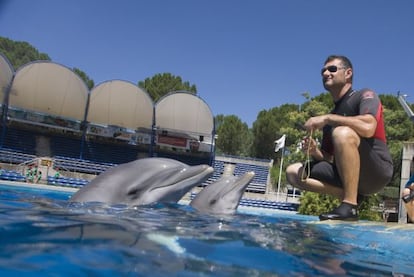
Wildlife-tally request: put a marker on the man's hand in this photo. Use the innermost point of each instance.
(309, 144)
(316, 122)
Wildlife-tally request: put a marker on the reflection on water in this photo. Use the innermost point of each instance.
(43, 231)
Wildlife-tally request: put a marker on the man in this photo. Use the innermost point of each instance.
(408, 197)
(353, 158)
(408, 194)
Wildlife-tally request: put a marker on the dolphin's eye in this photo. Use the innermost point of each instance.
(134, 193)
(213, 201)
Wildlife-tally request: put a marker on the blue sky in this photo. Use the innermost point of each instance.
(244, 56)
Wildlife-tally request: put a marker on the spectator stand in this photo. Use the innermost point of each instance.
(260, 167)
(46, 170)
(11, 156)
(11, 175)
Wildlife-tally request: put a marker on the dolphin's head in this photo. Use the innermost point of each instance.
(223, 196)
(167, 181)
(143, 182)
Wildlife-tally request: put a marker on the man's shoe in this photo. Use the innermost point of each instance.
(345, 211)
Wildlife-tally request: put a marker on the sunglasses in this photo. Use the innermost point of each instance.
(331, 68)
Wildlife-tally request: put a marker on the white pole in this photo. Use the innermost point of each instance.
(280, 174)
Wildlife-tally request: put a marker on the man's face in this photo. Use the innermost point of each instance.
(334, 74)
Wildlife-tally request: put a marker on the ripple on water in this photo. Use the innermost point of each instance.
(40, 231)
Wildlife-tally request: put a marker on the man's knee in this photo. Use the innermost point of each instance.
(292, 173)
(345, 135)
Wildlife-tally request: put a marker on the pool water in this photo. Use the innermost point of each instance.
(41, 233)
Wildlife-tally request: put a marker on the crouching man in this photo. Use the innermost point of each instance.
(353, 158)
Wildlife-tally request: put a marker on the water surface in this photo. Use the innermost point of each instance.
(41, 233)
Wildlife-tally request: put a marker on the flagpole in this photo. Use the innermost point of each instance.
(280, 174)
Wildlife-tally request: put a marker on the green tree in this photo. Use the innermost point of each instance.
(161, 84)
(233, 137)
(312, 203)
(20, 52)
(269, 126)
(89, 82)
(325, 99)
(399, 128)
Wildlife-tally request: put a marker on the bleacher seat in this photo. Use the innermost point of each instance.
(20, 140)
(81, 165)
(218, 167)
(259, 181)
(67, 182)
(14, 157)
(12, 175)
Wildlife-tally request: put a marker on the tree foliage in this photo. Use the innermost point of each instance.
(89, 82)
(312, 203)
(233, 136)
(161, 84)
(20, 52)
(399, 128)
(268, 127)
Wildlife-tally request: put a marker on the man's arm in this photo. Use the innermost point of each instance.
(364, 125)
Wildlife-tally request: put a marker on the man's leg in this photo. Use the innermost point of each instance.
(346, 142)
(294, 177)
(347, 160)
(345, 211)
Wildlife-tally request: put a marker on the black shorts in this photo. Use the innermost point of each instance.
(375, 171)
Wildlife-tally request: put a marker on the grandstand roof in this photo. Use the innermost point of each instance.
(53, 89)
(6, 75)
(184, 111)
(49, 88)
(120, 103)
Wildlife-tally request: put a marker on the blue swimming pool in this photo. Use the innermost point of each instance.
(40, 233)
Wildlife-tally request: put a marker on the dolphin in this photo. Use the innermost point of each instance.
(222, 196)
(143, 182)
